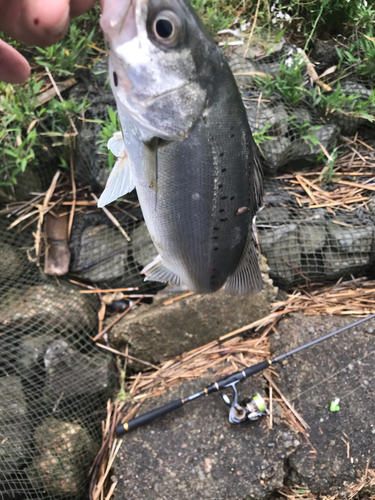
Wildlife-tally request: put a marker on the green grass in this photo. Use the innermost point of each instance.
(26, 130)
(109, 127)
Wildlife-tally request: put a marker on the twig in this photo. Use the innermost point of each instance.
(74, 190)
(107, 290)
(175, 299)
(252, 30)
(116, 320)
(61, 99)
(291, 408)
(271, 408)
(115, 351)
(113, 219)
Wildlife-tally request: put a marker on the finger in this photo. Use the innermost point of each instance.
(13, 67)
(79, 7)
(35, 22)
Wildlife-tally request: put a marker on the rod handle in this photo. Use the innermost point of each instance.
(252, 370)
(148, 417)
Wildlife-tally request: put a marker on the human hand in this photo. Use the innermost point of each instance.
(35, 22)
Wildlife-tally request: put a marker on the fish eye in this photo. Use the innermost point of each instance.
(167, 29)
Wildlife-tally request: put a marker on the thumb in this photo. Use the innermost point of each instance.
(13, 67)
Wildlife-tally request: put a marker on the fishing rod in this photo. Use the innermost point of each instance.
(251, 409)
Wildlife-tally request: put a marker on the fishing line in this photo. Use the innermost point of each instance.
(358, 387)
(331, 376)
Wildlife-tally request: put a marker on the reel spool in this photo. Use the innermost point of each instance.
(250, 409)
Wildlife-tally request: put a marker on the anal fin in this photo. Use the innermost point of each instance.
(247, 278)
(157, 270)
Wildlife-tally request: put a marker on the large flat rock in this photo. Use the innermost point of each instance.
(341, 367)
(195, 452)
(157, 332)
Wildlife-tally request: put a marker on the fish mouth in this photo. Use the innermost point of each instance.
(114, 15)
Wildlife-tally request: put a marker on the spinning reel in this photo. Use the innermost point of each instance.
(251, 409)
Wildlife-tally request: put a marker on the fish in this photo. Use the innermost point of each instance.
(186, 146)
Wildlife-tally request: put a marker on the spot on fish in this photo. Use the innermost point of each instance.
(115, 78)
(242, 210)
(196, 196)
(221, 155)
(36, 21)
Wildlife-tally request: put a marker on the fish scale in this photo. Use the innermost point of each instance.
(198, 188)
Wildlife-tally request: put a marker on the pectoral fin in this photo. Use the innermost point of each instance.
(157, 270)
(247, 278)
(116, 145)
(120, 181)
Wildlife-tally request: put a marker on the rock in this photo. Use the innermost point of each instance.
(63, 455)
(280, 246)
(11, 264)
(312, 266)
(195, 453)
(72, 375)
(238, 64)
(349, 124)
(314, 378)
(27, 182)
(45, 306)
(371, 203)
(311, 237)
(62, 374)
(276, 152)
(268, 114)
(103, 253)
(338, 264)
(157, 332)
(272, 215)
(14, 427)
(324, 51)
(325, 135)
(143, 249)
(351, 238)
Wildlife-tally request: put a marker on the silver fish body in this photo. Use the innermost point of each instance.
(193, 160)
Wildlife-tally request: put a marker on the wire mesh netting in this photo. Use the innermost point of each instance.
(289, 122)
(102, 255)
(54, 381)
(313, 245)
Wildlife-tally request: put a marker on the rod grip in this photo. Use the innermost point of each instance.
(148, 417)
(252, 370)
